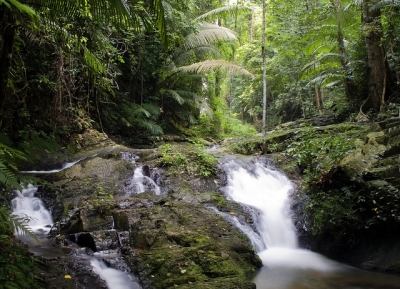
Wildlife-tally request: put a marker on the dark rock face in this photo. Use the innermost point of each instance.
(372, 170)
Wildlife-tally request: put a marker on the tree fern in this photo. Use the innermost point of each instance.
(208, 34)
(213, 65)
(172, 94)
(8, 168)
(229, 10)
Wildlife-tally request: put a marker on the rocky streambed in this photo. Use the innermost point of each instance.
(164, 238)
(171, 236)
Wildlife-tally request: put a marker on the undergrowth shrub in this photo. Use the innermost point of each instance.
(189, 159)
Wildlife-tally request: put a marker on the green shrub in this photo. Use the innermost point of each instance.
(319, 154)
(190, 159)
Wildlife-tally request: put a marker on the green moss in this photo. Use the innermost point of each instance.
(195, 246)
(188, 158)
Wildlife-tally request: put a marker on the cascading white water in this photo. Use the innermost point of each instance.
(63, 167)
(115, 279)
(26, 205)
(268, 191)
(141, 183)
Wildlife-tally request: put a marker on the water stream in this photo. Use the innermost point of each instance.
(267, 192)
(286, 266)
(141, 183)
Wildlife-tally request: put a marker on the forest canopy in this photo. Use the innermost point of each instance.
(137, 69)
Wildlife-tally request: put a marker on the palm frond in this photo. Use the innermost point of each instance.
(229, 10)
(110, 11)
(160, 20)
(329, 57)
(20, 6)
(208, 34)
(333, 79)
(214, 65)
(199, 52)
(321, 45)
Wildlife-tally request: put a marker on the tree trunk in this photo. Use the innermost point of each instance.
(251, 24)
(317, 99)
(343, 60)
(376, 57)
(264, 119)
(7, 35)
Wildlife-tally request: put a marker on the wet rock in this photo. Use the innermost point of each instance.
(182, 236)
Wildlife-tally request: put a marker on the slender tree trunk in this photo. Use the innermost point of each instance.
(343, 60)
(217, 84)
(317, 99)
(341, 47)
(264, 119)
(7, 35)
(231, 82)
(376, 57)
(251, 24)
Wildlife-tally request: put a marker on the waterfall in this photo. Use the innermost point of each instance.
(27, 206)
(141, 183)
(268, 191)
(115, 279)
(63, 167)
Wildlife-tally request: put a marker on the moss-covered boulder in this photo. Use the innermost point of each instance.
(187, 244)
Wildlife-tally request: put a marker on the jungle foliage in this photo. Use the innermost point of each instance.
(136, 69)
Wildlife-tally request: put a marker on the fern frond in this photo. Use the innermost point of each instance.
(154, 110)
(151, 127)
(208, 34)
(199, 52)
(229, 10)
(21, 227)
(214, 65)
(93, 62)
(7, 177)
(173, 94)
(327, 57)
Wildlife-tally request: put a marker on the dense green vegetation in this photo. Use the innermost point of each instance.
(146, 68)
(137, 70)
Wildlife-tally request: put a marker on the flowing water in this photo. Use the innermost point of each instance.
(39, 219)
(267, 192)
(63, 167)
(286, 266)
(28, 207)
(141, 183)
(115, 279)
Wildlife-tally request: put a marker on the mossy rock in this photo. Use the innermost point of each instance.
(182, 244)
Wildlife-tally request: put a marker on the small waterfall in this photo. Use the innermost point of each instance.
(27, 206)
(63, 167)
(268, 190)
(115, 279)
(141, 183)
